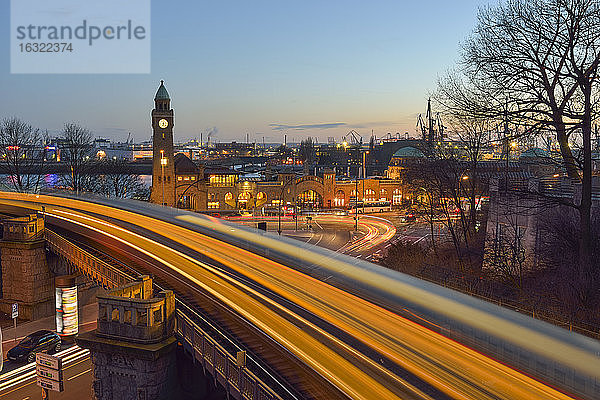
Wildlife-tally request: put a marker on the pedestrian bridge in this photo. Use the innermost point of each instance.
(313, 323)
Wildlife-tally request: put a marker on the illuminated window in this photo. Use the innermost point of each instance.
(369, 195)
(213, 204)
(340, 198)
(397, 197)
(179, 178)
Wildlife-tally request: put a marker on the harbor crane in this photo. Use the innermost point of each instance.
(355, 138)
(431, 127)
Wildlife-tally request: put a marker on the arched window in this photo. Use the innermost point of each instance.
(383, 194)
(228, 196)
(340, 198)
(369, 195)
(397, 197)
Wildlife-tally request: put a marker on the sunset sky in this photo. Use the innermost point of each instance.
(309, 68)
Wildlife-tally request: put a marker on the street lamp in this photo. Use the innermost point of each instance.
(279, 206)
(163, 164)
(364, 175)
(284, 186)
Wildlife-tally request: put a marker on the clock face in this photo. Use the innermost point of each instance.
(163, 123)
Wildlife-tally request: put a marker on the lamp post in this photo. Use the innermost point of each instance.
(356, 203)
(364, 175)
(285, 185)
(279, 206)
(163, 164)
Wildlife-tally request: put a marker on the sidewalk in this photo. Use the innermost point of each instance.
(87, 321)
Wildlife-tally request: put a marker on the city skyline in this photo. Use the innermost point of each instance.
(264, 69)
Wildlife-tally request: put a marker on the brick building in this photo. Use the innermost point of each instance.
(179, 182)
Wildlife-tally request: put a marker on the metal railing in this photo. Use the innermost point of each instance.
(220, 360)
(85, 262)
(231, 373)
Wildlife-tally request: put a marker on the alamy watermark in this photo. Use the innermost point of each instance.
(80, 36)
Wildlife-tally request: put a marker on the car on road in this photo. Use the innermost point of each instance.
(38, 342)
(409, 216)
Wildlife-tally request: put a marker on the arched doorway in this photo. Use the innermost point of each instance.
(309, 199)
(244, 202)
(261, 198)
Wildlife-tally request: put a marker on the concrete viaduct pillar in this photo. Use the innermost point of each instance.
(132, 350)
(26, 278)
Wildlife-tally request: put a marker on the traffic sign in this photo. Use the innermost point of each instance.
(50, 384)
(15, 310)
(49, 373)
(46, 360)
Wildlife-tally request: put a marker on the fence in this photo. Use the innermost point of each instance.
(495, 292)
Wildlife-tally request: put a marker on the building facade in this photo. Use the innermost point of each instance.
(177, 181)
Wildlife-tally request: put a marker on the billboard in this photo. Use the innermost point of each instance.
(67, 323)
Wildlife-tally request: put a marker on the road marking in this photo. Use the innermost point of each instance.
(319, 241)
(418, 240)
(18, 388)
(79, 374)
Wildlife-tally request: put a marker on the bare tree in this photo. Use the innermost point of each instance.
(506, 255)
(22, 155)
(307, 152)
(114, 180)
(537, 62)
(77, 154)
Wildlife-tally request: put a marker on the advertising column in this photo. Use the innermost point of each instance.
(67, 323)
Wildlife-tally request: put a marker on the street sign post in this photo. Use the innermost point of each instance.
(15, 315)
(46, 360)
(49, 384)
(49, 373)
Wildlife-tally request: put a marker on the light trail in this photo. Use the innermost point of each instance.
(16, 377)
(445, 364)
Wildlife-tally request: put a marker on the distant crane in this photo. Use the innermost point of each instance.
(355, 137)
(431, 127)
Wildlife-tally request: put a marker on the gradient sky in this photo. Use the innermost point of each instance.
(305, 68)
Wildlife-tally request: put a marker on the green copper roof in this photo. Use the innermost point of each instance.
(162, 93)
(408, 152)
(535, 152)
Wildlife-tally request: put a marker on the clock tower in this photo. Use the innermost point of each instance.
(163, 169)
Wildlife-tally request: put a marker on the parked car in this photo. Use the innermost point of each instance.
(38, 342)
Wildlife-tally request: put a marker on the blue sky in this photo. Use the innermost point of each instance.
(309, 68)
